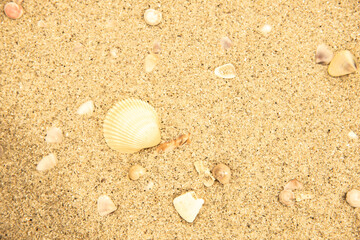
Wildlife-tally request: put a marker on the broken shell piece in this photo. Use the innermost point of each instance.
(225, 71)
(293, 185)
(265, 29)
(287, 197)
(86, 108)
(303, 196)
(131, 125)
(171, 145)
(323, 54)
(204, 173)
(47, 163)
(156, 48)
(152, 17)
(54, 135)
(13, 10)
(225, 43)
(105, 205)
(222, 173)
(352, 135)
(342, 64)
(188, 206)
(150, 62)
(136, 171)
(353, 198)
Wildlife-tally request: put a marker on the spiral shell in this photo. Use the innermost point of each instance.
(131, 125)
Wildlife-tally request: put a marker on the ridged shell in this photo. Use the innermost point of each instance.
(131, 125)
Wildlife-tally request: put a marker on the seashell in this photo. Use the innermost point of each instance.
(152, 17)
(222, 173)
(171, 145)
(188, 206)
(352, 135)
(323, 54)
(156, 47)
(131, 125)
(293, 185)
(225, 43)
(136, 171)
(150, 62)
(54, 135)
(353, 198)
(105, 205)
(265, 29)
(342, 64)
(287, 197)
(13, 10)
(303, 196)
(204, 173)
(47, 163)
(225, 71)
(86, 108)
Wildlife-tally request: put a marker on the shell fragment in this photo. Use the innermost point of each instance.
(150, 62)
(188, 206)
(105, 205)
(204, 173)
(47, 163)
(342, 64)
(323, 54)
(225, 71)
(86, 108)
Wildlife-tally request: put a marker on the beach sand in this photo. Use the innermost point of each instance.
(281, 117)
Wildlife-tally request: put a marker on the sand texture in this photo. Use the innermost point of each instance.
(281, 117)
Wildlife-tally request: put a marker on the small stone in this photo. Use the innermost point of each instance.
(342, 64)
(150, 62)
(225, 71)
(152, 17)
(323, 54)
(47, 162)
(13, 10)
(136, 171)
(86, 108)
(353, 198)
(352, 135)
(105, 205)
(54, 135)
(188, 206)
(225, 43)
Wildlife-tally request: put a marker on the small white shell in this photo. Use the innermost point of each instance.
(150, 62)
(105, 205)
(353, 198)
(204, 173)
(226, 43)
(131, 125)
(323, 54)
(47, 163)
(265, 29)
(293, 184)
(342, 64)
(86, 108)
(188, 206)
(54, 135)
(287, 197)
(352, 135)
(152, 17)
(225, 71)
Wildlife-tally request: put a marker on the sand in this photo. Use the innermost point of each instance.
(281, 117)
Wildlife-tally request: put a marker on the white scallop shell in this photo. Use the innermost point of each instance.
(131, 125)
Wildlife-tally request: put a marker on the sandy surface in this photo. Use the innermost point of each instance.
(282, 117)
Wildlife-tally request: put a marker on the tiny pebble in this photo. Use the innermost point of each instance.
(13, 10)
(152, 17)
(136, 171)
(265, 29)
(352, 135)
(353, 198)
(222, 173)
(54, 135)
